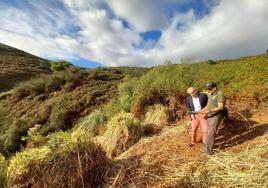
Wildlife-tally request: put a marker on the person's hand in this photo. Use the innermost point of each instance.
(192, 116)
(204, 111)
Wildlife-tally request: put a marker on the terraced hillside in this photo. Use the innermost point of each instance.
(17, 65)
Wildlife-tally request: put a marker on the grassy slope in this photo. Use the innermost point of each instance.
(17, 66)
(56, 108)
(244, 77)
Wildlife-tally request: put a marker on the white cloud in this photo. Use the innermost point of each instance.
(143, 15)
(233, 28)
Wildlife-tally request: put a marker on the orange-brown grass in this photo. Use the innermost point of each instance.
(163, 160)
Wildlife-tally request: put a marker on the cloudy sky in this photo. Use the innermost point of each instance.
(135, 32)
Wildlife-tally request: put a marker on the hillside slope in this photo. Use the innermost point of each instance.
(17, 65)
(127, 127)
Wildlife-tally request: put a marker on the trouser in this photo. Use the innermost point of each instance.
(213, 123)
(202, 120)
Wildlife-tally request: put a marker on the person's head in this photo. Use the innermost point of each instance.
(211, 87)
(192, 91)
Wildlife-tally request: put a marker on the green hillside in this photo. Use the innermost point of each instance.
(127, 127)
(17, 65)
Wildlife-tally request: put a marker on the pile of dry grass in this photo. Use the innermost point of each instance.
(157, 161)
(156, 114)
(157, 169)
(123, 130)
(247, 168)
(79, 164)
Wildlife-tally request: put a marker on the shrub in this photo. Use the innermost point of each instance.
(15, 133)
(47, 84)
(211, 62)
(162, 81)
(61, 140)
(126, 93)
(111, 108)
(93, 122)
(60, 65)
(34, 137)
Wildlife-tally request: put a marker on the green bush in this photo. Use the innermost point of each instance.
(34, 137)
(126, 93)
(47, 83)
(14, 134)
(60, 65)
(111, 108)
(93, 122)
(57, 140)
(20, 162)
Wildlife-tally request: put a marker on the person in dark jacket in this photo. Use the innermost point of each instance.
(196, 102)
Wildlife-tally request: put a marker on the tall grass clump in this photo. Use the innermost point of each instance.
(126, 93)
(93, 123)
(67, 160)
(123, 130)
(12, 137)
(156, 114)
(248, 168)
(3, 171)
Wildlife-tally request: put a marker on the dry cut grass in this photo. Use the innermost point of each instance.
(247, 168)
(123, 130)
(72, 162)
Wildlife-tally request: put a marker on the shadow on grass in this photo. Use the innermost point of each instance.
(237, 132)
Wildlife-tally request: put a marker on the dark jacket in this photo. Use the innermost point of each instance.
(203, 99)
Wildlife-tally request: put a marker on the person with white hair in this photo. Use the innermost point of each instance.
(196, 101)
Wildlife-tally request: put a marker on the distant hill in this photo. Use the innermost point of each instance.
(17, 65)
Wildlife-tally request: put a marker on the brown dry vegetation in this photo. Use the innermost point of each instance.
(56, 110)
(17, 66)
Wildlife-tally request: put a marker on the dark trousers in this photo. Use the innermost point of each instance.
(213, 124)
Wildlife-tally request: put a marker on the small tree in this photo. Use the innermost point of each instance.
(211, 62)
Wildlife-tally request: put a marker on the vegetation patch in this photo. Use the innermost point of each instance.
(3, 170)
(247, 168)
(66, 161)
(123, 130)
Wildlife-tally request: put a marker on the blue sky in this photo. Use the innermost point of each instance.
(92, 33)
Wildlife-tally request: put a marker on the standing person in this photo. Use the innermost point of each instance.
(214, 110)
(196, 102)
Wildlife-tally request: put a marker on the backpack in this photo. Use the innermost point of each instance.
(225, 113)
